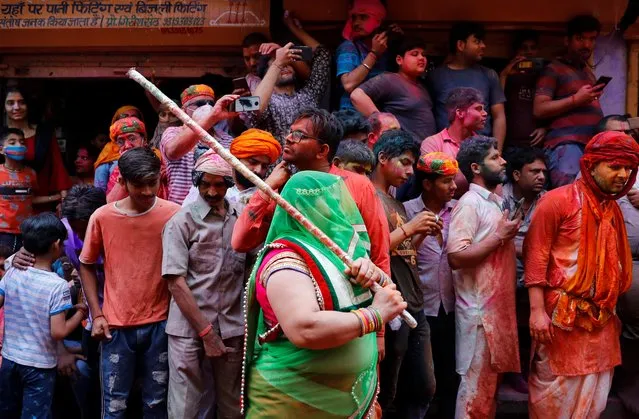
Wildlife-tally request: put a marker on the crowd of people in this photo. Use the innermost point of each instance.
(500, 210)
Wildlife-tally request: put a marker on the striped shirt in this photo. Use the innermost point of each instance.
(559, 80)
(31, 298)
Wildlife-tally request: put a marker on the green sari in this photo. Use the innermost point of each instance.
(282, 380)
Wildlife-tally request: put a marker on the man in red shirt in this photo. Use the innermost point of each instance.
(577, 262)
(311, 145)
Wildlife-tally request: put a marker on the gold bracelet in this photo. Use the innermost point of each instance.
(404, 231)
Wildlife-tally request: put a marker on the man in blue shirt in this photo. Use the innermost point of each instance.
(362, 55)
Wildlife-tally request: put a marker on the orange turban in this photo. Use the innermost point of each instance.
(195, 91)
(111, 151)
(438, 163)
(126, 111)
(255, 142)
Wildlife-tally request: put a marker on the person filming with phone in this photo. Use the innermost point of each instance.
(518, 79)
(567, 96)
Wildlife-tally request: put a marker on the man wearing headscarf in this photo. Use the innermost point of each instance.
(257, 150)
(126, 134)
(178, 143)
(362, 55)
(435, 175)
(577, 263)
(111, 151)
(205, 277)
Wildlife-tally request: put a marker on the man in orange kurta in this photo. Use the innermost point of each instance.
(576, 263)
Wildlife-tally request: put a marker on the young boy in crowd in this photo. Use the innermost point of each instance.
(35, 310)
(17, 187)
(132, 318)
(354, 156)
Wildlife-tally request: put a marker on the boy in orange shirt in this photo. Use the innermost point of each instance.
(17, 188)
(131, 322)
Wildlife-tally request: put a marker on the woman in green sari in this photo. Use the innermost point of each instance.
(310, 345)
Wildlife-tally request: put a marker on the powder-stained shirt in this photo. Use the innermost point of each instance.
(197, 246)
(134, 292)
(282, 109)
(16, 197)
(485, 294)
(562, 79)
(31, 297)
(551, 248)
(435, 274)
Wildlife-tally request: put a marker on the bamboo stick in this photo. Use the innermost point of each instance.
(209, 140)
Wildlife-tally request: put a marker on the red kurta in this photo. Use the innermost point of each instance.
(53, 176)
(551, 249)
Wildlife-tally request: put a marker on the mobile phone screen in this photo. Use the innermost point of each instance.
(603, 80)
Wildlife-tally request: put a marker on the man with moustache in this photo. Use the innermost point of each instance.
(257, 150)
(578, 262)
(568, 99)
(482, 254)
(205, 277)
(251, 55)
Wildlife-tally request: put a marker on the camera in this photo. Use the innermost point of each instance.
(246, 104)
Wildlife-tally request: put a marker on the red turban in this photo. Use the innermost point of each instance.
(195, 91)
(373, 8)
(613, 147)
(255, 142)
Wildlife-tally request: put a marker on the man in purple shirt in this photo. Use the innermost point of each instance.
(436, 175)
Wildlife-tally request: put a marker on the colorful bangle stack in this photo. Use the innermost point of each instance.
(384, 280)
(370, 320)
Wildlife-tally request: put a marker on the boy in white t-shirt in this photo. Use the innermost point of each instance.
(35, 303)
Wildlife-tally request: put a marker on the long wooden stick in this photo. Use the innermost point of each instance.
(209, 140)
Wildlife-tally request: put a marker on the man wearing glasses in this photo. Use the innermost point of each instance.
(178, 143)
(311, 145)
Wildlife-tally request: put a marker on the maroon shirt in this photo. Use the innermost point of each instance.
(562, 79)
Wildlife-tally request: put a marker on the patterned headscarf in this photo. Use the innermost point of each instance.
(438, 163)
(126, 125)
(255, 142)
(195, 91)
(373, 8)
(111, 151)
(211, 163)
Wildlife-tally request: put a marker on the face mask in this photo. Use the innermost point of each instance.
(15, 152)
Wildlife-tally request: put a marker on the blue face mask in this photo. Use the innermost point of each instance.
(15, 152)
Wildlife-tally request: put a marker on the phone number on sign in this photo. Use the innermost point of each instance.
(183, 21)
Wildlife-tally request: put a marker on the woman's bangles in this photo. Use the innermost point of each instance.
(370, 320)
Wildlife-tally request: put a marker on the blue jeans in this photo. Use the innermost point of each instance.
(34, 386)
(135, 353)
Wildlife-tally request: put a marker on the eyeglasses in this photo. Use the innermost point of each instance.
(297, 136)
(200, 103)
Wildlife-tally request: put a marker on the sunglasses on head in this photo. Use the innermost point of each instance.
(202, 102)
